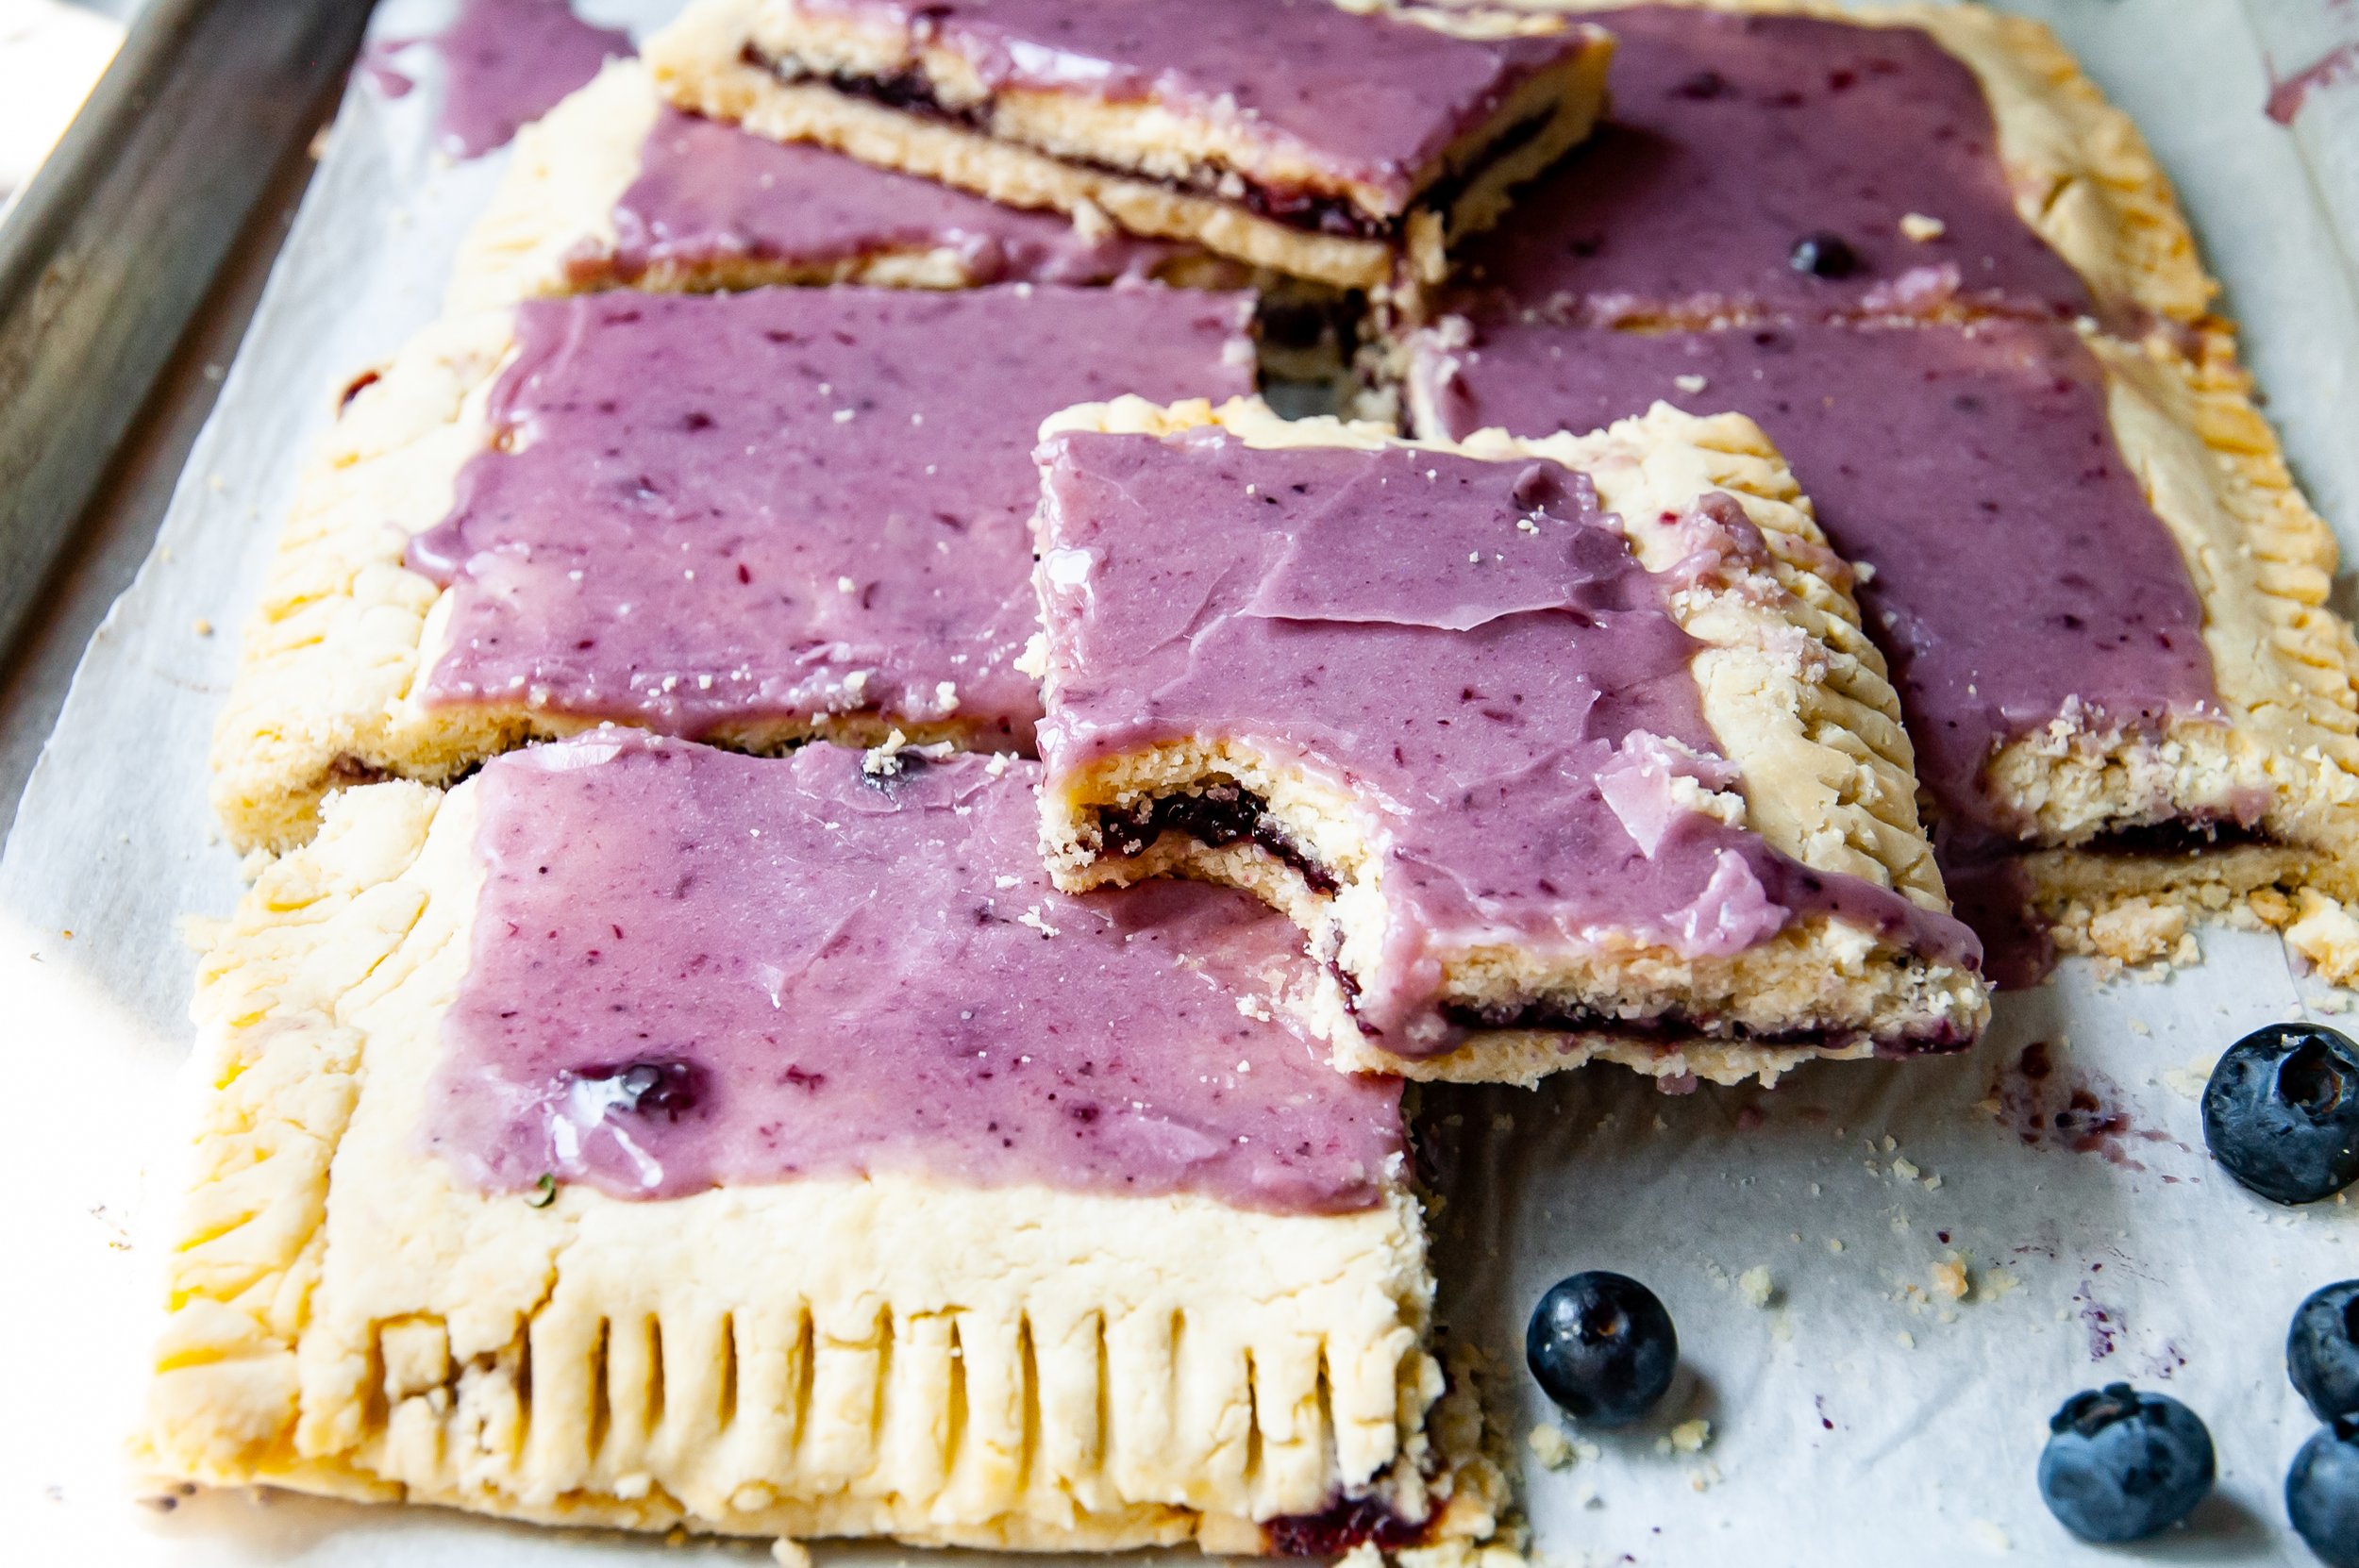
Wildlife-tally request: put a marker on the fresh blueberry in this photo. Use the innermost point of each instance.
(2322, 1494)
(2120, 1464)
(1602, 1347)
(2281, 1112)
(1828, 256)
(2322, 1350)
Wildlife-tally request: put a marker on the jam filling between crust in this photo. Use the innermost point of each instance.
(1305, 210)
(1222, 814)
(1363, 97)
(695, 969)
(1468, 649)
(708, 513)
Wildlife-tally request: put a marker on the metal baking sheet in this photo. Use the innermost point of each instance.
(1858, 1413)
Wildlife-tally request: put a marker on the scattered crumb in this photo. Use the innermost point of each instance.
(1905, 1339)
(203, 627)
(1690, 384)
(1922, 229)
(845, 585)
(2189, 1080)
(1906, 1170)
(999, 763)
(1997, 1283)
(1690, 1437)
(1950, 1281)
(1704, 1477)
(1550, 1447)
(1835, 1244)
(1033, 918)
(1754, 1284)
(1991, 1537)
(790, 1554)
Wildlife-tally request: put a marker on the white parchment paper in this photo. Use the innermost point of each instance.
(1860, 1412)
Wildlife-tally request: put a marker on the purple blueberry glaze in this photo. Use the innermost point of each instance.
(696, 968)
(704, 512)
(2017, 572)
(709, 193)
(1734, 139)
(1364, 97)
(1511, 725)
(2017, 575)
(509, 62)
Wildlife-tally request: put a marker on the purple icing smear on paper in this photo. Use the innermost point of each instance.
(505, 62)
(709, 193)
(1731, 139)
(696, 968)
(710, 512)
(2288, 95)
(1468, 649)
(1366, 97)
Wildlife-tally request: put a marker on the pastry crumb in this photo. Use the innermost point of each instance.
(1950, 1281)
(1550, 1447)
(790, 1554)
(1922, 229)
(1690, 383)
(1755, 1286)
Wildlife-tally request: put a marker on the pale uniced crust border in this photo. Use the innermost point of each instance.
(325, 692)
(1792, 689)
(2083, 177)
(1017, 1367)
(699, 63)
(550, 227)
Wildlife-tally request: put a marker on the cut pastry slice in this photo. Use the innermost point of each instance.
(1790, 160)
(1559, 749)
(749, 518)
(645, 1135)
(2103, 599)
(1323, 141)
(615, 187)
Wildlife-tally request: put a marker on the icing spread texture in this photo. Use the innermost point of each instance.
(706, 511)
(1733, 141)
(693, 968)
(509, 62)
(1468, 649)
(1366, 97)
(707, 192)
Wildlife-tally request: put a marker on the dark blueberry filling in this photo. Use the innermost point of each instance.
(1223, 814)
(1676, 1025)
(1341, 1526)
(1305, 211)
(2180, 835)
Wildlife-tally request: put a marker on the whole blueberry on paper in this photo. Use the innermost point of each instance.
(2281, 1113)
(2322, 1350)
(2322, 1494)
(1602, 1347)
(2120, 1466)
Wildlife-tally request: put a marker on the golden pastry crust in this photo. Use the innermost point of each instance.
(894, 1356)
(2083, 177)
(1792, 690)
(1061, 151)
(326, 690)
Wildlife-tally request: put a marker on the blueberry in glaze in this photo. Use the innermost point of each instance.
(2322, 1350)
(2322, 1494)
(1823, 255)
(2120, 1466)
(656, 1088)
(1602, 1347)
(2281, 1113)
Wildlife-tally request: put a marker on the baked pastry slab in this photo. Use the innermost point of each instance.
(900, 1350)
(1229, 124)
(2103, 599)
(614, 188)
(1958, 156)
(814, 502)
(1640, 794)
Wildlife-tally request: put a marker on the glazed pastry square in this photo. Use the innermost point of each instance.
(2100, 595)
(1558, 749)
(1320, 141)
(645, 1135)
(1940, 162)
(746, 518)
(615, 188)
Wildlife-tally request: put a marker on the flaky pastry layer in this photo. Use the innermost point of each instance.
(766, 68)
(894, 1356)
(1792, 689)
